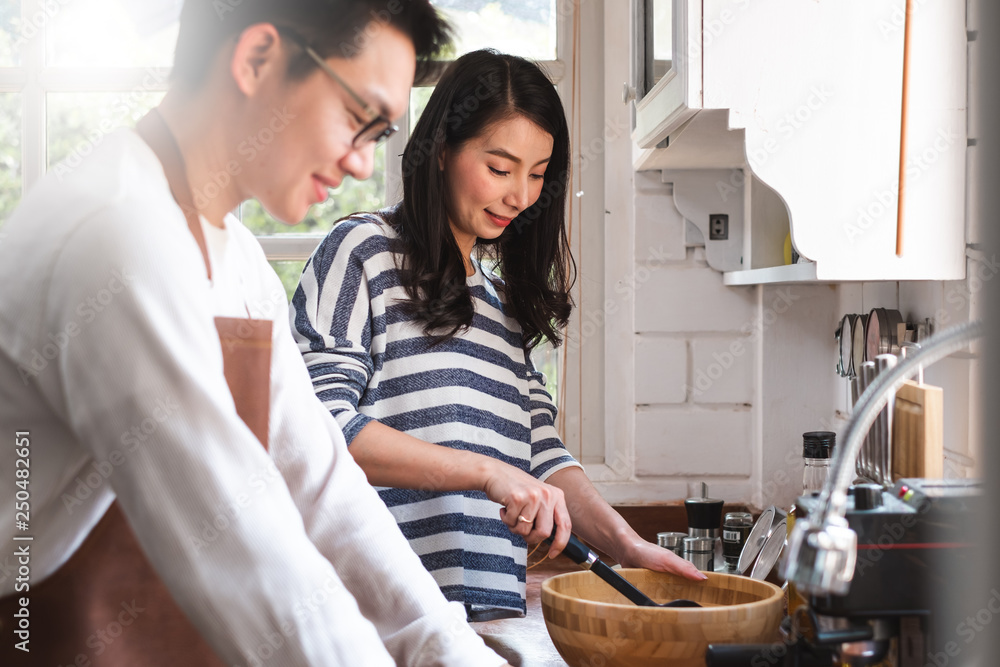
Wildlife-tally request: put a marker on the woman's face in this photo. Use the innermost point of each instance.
(304, 129)
(492, 178)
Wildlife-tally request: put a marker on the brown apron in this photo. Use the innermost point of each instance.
(106, 606)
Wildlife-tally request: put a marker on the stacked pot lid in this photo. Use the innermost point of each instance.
(764, 544)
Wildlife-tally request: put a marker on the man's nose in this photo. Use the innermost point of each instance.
(360, 162)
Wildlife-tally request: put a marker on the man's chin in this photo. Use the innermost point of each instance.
(288, 215)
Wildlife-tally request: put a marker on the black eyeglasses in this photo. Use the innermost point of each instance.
(378, 128)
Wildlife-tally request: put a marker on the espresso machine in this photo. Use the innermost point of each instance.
(875, 561)
(913, 539)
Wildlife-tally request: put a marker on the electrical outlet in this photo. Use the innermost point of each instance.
(718, 227)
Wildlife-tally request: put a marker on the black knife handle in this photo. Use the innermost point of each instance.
(581, 554)
(577, 551)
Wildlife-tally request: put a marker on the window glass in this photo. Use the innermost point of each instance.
(78, 122)
(10, 153)
(418, 102)
(525, 28)
(350, 197)
(663, 17)
(112, 33)
(12, 33)
(289, 272)
(546, 359)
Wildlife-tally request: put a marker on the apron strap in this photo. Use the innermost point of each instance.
(155, 132)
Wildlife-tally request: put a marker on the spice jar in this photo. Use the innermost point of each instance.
(735, 530)
(672, 541)
(701, 552)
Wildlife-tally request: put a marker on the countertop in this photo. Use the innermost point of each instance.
(525, 642)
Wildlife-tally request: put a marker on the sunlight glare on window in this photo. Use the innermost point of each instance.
(10, 153)
(78, 122)
(418, 102)
(112, 33)
(525, 28)
(13, 33)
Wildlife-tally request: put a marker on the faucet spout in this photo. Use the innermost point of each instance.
(822, 549)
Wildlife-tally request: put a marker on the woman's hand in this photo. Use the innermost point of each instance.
(531, 508)
(640, 553)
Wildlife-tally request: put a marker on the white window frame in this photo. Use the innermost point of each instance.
(34, 81)
(583, 379)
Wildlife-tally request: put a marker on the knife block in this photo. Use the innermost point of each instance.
(918, 432)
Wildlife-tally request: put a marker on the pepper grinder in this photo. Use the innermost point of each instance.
(705, 519)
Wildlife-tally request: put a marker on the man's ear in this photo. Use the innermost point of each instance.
(257, 56)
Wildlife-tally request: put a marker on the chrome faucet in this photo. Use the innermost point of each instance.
(822, 550)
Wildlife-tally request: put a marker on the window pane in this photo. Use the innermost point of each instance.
(12, 30)
(10, 153)
(663, 36)
(289, 272)
(112, 33)
(546, 359)
(523, 27)
(350, 197)
(77, 122)
(418, 102)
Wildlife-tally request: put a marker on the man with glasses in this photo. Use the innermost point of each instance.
(159, 411)
(377, 127)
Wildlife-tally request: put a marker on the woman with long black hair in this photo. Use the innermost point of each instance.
(417, 324)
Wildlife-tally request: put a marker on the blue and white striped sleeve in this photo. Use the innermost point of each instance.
(331, 320)
(548, 454)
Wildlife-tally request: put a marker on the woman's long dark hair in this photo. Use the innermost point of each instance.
(532, 253)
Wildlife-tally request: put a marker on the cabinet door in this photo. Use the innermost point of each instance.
(672, 87)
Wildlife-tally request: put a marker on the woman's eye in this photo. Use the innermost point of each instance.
(498, 172)
(538, 177)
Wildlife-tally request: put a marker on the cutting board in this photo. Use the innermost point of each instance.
(918, 432)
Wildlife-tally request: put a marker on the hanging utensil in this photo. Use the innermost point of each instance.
(858, 348)
(845, 341)
(868, 373)
(885, 363)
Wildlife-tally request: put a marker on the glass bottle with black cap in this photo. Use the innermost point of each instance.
(817, 448)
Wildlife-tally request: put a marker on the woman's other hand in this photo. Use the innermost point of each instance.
(641, 553)
(531, 508)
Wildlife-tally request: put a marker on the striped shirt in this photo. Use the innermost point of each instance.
(477, 391)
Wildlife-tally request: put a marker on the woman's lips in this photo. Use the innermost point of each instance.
(497, 220)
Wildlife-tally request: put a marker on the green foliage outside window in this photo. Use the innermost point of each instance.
(10, 153)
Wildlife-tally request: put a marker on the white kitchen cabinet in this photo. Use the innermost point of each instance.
(802, 100)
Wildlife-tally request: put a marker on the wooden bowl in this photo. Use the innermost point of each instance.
(592, 625)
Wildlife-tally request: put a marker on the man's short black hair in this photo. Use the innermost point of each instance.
(334, 28)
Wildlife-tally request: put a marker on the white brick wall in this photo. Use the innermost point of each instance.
(689, 298)
(693, 441)
(726, 380)
(694, 371)
(660, 370)
(722, 370)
